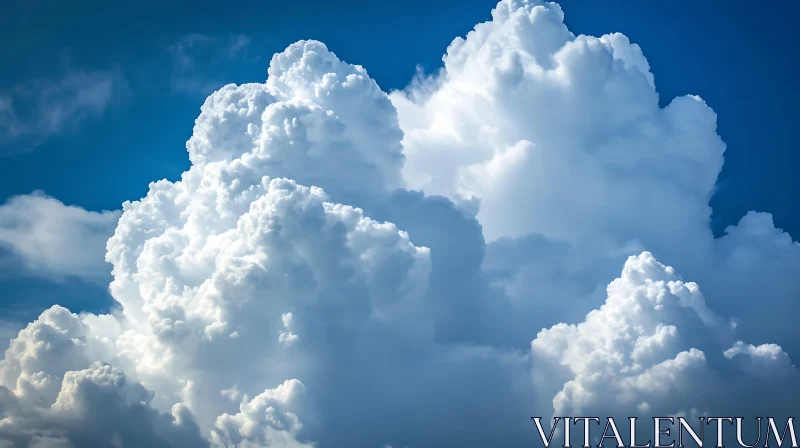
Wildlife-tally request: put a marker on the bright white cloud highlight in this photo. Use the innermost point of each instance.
(553, 131)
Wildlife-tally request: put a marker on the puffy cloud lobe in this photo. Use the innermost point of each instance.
(287, 337)
(317, 120)
(52, 394)
(629, 342)
(261, 421)
(278, 239)
(559, 135)
(644, 352)
(54, 239)
(42, 353)
(765, 360)
(205, 300)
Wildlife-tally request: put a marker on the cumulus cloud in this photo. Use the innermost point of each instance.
(318, 120)
(292, 290)
(653, 349)
(562, 141)
(35, 110)
(262, 421)
(753, 280)
(53, 239)
(53, 395)
(643, 350)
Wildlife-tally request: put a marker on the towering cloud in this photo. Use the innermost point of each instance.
(292, 291)
(562, 141)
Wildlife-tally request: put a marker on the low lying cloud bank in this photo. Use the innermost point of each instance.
(296, 288)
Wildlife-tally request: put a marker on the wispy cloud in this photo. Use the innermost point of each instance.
(54, 240)
(200, 62)
(37, 109)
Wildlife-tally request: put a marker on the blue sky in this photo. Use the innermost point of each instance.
(539, 222)
(737, 57)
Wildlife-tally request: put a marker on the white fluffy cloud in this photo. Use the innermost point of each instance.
(562, 140)
(644, 352)
(317, 121)
(53, 395)
(559, 135)
(288, 291)
(53, 239)
(262, 421)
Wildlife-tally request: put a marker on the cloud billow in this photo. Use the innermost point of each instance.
(346, 267)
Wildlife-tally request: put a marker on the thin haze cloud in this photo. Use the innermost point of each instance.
(35, 110)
